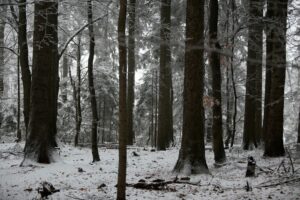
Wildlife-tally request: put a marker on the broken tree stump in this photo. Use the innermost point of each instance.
(251, 167)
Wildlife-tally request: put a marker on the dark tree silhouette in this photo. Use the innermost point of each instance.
(41, 138)
(165, 126)
(214, 60)
(192, 153)
(276, 62)
(121, 193)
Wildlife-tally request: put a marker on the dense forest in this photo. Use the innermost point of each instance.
(170, 99)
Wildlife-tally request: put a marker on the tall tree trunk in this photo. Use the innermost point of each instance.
(214, 60)
(77, 89)
(25, 71)
(192, 153)
(165, 128)
(276, 39)
(121, 190)
(233, 6)
(3, 10)
(64, 76)
(131, 70)
(254, 66)
(152, 110)
(41, 138)
(19, 133)
(156, 108)
(229, 93)
(95, 152)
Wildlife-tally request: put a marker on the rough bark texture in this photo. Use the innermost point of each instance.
(121, 190)
(41, 138)
(214, 60)
(131, 70)
(165, 126)
(94, 140)
(192, 153)
(276, 40)
(254, 63)
(3, 10)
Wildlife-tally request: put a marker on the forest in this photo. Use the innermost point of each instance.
(149, 99)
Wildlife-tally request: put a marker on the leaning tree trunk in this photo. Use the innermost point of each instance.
(214, 60)
(41, 138)
(94, 140)
(276, 39)
(131, 70)
(25, 71)
(192, 153)
(165, 128)
(121, 190)
(254, 63)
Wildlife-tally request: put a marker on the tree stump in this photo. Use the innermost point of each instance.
(250, 167)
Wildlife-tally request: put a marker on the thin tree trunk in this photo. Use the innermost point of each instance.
(95, 152)
(214, 60)
(41, 138)
(103, 121)
(121, 189)
(64, 77)
(131, 70)
(254, 66)
(152, 110)
(192, 153)
(232, 75)
(165, 128)
(3, 10)
(156, 108)
(77, 90)
(19, 133)
(276, 38)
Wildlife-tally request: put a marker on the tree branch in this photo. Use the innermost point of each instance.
(76, 33)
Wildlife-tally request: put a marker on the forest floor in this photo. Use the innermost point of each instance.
(76, 177)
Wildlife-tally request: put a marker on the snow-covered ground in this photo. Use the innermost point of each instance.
(273, 181)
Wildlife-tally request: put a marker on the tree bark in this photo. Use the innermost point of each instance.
(41, 138)
(3, 10)
(165, 126)
(192, 153)
(131, 70)
(253, 81)
(64, 77)
(19, 133)
(77, 89)
(276, 54)
(25, 71)
(214, 60)
(121, 189)
(95, 152)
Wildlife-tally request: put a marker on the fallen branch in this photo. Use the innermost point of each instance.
(295, 180)
(73, 197)
(159, 185)
(291, 161)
